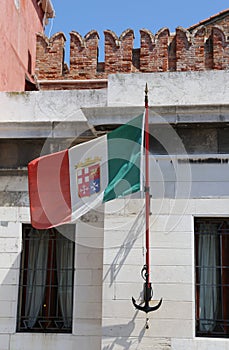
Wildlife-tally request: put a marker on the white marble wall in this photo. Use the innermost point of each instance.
(107, 278)
(87, 313)
(169, 88)
(109, 258)
(172, 274)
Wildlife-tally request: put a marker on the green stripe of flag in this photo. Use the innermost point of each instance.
(125, 147)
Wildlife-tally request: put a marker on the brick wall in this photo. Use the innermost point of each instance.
(50, 56)
(202, 48)
(83, 55)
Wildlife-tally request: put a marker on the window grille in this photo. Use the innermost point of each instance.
(46, 281)
(212, 277)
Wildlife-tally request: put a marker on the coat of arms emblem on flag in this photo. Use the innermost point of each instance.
(88, 177)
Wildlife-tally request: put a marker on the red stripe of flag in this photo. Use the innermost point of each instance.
(49, 190)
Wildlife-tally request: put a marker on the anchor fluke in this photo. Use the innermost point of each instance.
(148, 293)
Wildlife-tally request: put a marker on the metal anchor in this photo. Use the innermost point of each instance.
(148, 294)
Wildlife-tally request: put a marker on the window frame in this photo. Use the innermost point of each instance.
(50, 318)
(221, 268)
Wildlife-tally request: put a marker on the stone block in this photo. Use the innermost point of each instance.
(4, 341)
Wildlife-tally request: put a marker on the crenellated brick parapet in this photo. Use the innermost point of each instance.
(154, 51)
(220, 49)
(190, 50)
(83, 55)
(118, 52)
(201, 48)
(50, 56)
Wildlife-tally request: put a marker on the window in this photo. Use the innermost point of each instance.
(17, 4)
(46, 281)
(212, 277)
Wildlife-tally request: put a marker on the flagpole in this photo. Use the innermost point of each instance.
(147, 187)
(147, 288)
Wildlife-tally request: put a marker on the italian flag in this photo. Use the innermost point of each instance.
(65, 185)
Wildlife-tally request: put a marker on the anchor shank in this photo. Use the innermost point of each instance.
(147, 292)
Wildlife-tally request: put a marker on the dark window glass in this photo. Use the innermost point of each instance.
(212, 277)
(46, 281)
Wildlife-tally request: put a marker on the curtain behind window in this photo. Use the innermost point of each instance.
(208, 253)
(36, 274)
(64, 262)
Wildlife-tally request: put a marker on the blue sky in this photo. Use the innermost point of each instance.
(83, 16)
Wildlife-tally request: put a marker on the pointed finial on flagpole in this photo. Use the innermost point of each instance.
(146, 96)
